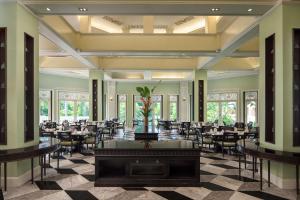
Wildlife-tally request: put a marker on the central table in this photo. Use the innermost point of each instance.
(146, 133)
(127, 163)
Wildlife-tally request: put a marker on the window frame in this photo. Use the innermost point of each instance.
(244, 106)
(49, 103)
(75, 117)
(177, 106)
(237, 101)
(118, 105)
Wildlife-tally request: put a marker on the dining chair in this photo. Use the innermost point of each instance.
(66, 140)
(240, 126)
(228, 141)
(185, 128)
(90, 138)
(120, 126)
(107, 129)
(226, 128)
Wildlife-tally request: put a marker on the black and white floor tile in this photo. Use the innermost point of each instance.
(74, 181)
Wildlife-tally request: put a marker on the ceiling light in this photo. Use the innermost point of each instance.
(215, 9)
(48, 9)
(82, 9)
(250, 10)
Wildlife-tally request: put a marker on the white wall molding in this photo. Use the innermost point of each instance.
(17, 181)
(111, 99)
(184, 101)
(280, 182)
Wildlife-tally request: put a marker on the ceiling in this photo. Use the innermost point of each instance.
(149, 40)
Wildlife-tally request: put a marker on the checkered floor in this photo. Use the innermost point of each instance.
(74, 180)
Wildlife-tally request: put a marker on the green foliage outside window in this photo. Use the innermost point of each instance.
(66, 108)
(212, 111)
(44, 107)
(83, 109)
(224, 112)
(173, 110)
(122, 111)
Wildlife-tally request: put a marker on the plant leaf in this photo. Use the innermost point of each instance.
(147, 91)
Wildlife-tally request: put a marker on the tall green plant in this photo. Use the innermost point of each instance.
(145, 94)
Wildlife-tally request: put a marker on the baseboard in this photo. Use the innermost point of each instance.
(280, 182)
(21, 180)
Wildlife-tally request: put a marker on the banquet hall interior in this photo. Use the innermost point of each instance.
(151, 99)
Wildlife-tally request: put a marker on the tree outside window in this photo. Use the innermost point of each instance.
(222, 108)
(173, 113)
(73, 106)
(44, 105)
(250, 109)
(122, 108)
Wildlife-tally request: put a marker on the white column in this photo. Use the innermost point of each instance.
(184, 101)
(112, 101)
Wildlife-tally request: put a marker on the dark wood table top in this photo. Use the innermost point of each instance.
(9, 155)
(254, 149)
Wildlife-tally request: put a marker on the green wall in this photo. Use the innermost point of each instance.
(238, 83)
(13, 16)
(48, 81)
(286, 17)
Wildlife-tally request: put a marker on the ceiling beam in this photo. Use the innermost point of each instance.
(150, 53)
(189, 8)
(62, 44)
(231, 46)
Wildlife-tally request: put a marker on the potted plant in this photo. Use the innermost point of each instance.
(145, 94)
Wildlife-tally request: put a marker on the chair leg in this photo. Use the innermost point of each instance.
(223, 151)
(87, 147)
(71, 151)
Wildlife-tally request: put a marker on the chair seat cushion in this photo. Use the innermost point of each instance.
(207, 140)
(227, 144)
(68, 143)
(89, 140)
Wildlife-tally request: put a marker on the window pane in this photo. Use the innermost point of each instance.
(251, 113)
(45, 99)
(213, 112)
(66, 111)
(229, 112)
(44, 110)
(155, 114)
(82, 110)
(138, 111)
(173, 107)
(122, 107)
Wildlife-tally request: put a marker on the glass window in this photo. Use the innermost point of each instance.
(156, 113)
(250, 109)
(222, 108)
(173, 112)
(213, 112)
(82, 110)
(229, 112)
(66, 111)
(73, 106)
(122, 108)
(45, 102)
(137, 108)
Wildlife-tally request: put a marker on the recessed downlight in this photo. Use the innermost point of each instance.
(215, 9)
(48, 9)
(250, 10)
(82, 9)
